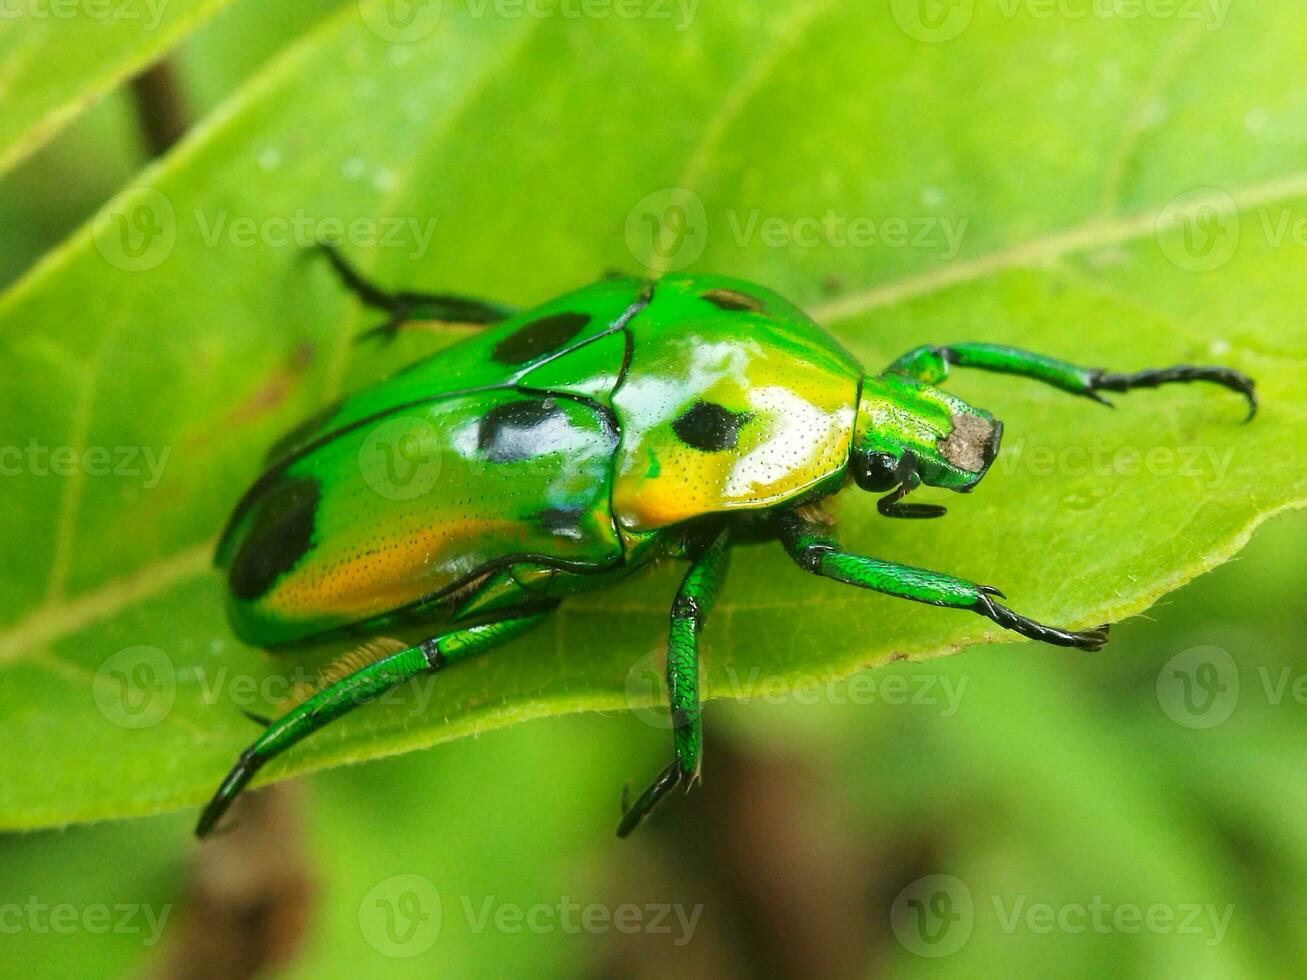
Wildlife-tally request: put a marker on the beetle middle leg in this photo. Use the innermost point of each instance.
(931, 365)
(816, 551)
(349, 692)
(695, 597)
(404, 306)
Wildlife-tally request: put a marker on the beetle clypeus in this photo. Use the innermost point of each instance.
(578, 441)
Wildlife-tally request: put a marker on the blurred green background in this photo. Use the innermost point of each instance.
(1137, 812)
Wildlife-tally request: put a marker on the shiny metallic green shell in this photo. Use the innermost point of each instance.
(571, 439)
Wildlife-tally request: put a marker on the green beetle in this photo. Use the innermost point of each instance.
(566, 446)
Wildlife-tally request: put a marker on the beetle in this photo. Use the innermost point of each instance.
(623, 423)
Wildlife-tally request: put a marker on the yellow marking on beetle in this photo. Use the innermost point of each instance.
(375, 580)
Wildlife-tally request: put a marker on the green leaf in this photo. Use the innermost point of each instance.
(1119, 192)
(58, 57)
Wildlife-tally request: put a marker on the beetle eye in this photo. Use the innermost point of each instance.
(876, 472)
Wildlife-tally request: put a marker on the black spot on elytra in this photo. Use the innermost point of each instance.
(710, 427)
(538, 337)
(560, 521)
(280, 534)
(518, 430)
(732, 299)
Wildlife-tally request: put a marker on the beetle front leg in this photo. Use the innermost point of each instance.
(816, 551)
(931, 365)
(355, 689)
(695, 597)
(404, 307)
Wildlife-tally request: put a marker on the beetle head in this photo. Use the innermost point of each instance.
(908, 433)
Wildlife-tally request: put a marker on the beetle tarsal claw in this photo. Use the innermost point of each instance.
(966, 444)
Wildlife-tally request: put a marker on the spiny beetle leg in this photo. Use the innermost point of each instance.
(1178, 374)
(634, 813)
(931, 365)
(816, 551)
(694, 598)
(404, 307)
(1005, 617)
(349, 692)
(367, 291)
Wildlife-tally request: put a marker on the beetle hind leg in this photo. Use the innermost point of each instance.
(694, 598)
(404, 307)
(352, 690)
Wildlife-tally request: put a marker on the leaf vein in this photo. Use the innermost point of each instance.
(734, 102)
(1092, 234)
